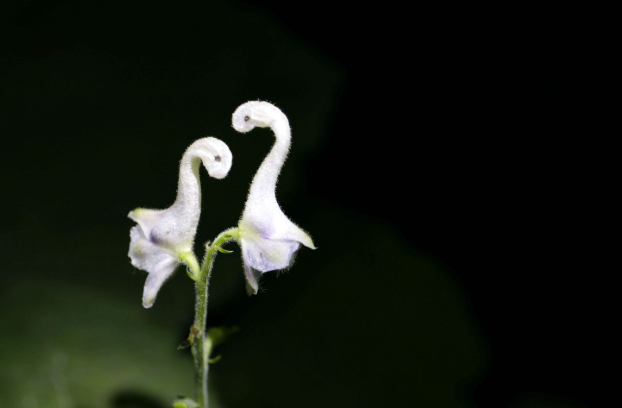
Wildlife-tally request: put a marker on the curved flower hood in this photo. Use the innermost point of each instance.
(268, 238)
(162, 239)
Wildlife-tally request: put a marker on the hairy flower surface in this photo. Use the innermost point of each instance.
(268, 238)
(162, 239)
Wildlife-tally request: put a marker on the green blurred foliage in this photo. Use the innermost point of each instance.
(63, 345)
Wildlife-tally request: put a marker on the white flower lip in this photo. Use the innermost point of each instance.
(163, 236)
(269, 240)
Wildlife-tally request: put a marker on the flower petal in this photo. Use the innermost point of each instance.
(155, 280)
(252, 278)
(292, 232)
(158, 262)
(267, 255)
(146, 218)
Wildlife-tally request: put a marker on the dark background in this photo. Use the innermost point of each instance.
(430, 162)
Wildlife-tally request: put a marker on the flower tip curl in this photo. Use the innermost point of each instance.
(219, 167)
(255, 114)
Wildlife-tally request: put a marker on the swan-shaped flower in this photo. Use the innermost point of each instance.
(267, 237)
(164, 238)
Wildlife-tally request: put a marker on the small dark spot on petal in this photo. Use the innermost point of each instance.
(246, 118)
(217, 158)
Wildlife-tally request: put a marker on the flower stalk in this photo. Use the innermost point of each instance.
(201, 347)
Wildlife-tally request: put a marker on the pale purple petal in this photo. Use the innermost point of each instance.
(158, 262)
(267, 255)
(156, 279)
(252, 277)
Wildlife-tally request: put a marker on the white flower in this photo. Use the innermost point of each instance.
(164, 238)
(267, 237)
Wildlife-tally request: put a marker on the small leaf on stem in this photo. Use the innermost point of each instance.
(194, 332)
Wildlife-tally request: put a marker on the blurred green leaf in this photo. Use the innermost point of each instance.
(63, 346)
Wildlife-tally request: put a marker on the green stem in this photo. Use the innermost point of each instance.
(199, 352)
